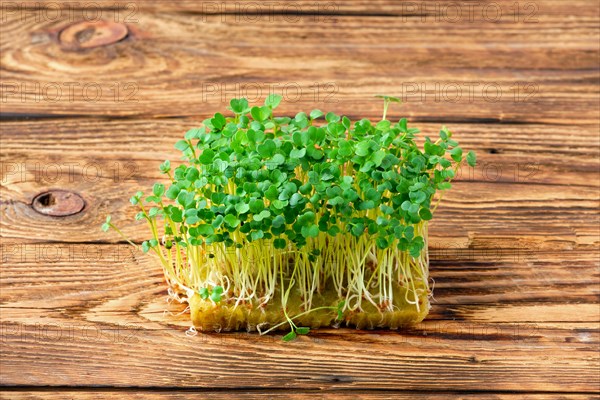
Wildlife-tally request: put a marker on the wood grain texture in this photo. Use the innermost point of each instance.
(351, 7)
(549, 190)
(172, 64)
(243, 395)
(514, 246)
(93, 320)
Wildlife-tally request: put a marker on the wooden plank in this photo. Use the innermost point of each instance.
(70, 311)
(296, 394)
(483, 10)
(516, 187)
(514, 256)
(501, 286)
(438, 358)
(172, 64)
(60, 314)
(514, 153)
(480, 215)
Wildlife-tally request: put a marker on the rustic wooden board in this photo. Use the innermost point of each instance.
(524, 12)
(96, 321)
(549, 190)
(173, 64)
(514, 247)
(178, 394)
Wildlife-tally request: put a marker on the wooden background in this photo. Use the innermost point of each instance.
(93, 108)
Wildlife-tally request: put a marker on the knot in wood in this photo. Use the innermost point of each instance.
(58, 203)
(90, 34)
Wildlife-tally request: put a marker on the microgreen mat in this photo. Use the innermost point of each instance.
(266, 208)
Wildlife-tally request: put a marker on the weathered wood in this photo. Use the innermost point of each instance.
(488, 215)
(172, 64)
(296, 394)
(516, 153)
(111, 354)
(476, 286)
(428, 8)
(546, 192)
(112, 337)
(514, 246)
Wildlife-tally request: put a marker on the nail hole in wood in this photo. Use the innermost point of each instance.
(494, 151)
(58, 203)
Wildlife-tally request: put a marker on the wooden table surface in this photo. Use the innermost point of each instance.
(92, 108)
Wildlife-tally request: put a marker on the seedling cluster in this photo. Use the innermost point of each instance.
(311, 213)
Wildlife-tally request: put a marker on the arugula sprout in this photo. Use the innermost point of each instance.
(308, 199)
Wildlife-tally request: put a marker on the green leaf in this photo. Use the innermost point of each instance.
(382, 243)
(105, 227)
(173, 192)
(278, 221)
(267, 149)
(158, 189)
(362, 149)
(289, 337)
(255, 136)
(255, 235)
(471, 158)
(176, 215)
(297, 153)
(242, 208)
(418, 197)
(207, 156)
(205, 230)
(217, 222)
(383, 125)
(389, 98)
(215, 296)
(277, 159)
(203, 292)
(165, 166)
(279, 243)
(331, 117)
(456, 154)
(238, 106)
(218, 289)
(403, 125)
(256, 206)
(262, 215)
(314, 114)
(425, 214)
(218, 121)
(272, 192)
(434, 149)
(192, 134)
(310, 231)
(302, 330)
(182, 145)
(301, 138)
(260, 114)
(273, 100)
(231, 220)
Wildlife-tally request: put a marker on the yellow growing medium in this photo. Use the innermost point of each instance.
(380, 288)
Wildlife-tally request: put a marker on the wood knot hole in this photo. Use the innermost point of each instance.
(58, 203)
(90, 34)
